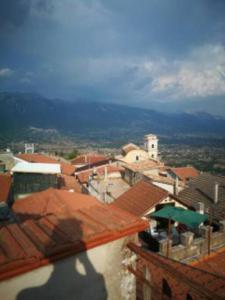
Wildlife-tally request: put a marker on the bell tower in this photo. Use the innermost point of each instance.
(151, 146)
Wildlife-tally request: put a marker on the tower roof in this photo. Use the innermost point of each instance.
(150, 136)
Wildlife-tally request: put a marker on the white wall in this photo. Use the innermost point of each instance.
(95, 274)
(167, 187)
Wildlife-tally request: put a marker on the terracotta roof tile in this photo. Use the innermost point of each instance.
(89, 159)
(185, 173)
(37, 158)
(214, 263)
(83, 176)
(69, 183)
(52, 201)
(67, 169)
(140, 198)
(202, 189)
(58, 224)
(5, 185)
(144, 165)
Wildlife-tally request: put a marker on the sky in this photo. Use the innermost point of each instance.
(163, 54)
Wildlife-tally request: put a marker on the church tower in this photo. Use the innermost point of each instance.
(151, 146)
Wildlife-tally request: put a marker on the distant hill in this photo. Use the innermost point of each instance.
(21, 114)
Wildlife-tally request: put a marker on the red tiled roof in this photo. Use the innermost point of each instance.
(100, 171)
(65, 224)
(52, 201)
(5, 185)
(144, 165)
(69, 183)
(140, 198)
(184, 173)
(202, 189)
(89, 159)
(67, 169)
(37, 158)
(214, 263)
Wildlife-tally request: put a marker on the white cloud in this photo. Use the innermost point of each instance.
(6, 72)
(201, 74)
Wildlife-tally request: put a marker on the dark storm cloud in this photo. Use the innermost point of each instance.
(171, 27)
(129, 51)
(13, 13)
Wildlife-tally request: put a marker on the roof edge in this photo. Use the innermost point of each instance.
(72, 250)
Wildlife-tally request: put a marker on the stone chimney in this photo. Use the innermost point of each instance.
(175, 186)
(216, 192)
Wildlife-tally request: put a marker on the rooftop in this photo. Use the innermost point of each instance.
(152, 136)
(51, 201)
(89, 159)
(66, 168)
(5, 185)
(83, 176)
(185, 173)
(41, 168)
(159, 178)
(144, 165)
(59, 224)
(140, 198)
(69, 183)
(113, 186)
(202, 189)
(214, 263)
(37, 158)
(129, 147)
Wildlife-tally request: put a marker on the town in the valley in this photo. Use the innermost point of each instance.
(97, 226)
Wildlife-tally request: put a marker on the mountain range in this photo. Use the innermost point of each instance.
(21, 114)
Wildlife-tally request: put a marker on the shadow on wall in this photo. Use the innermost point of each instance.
(72, 278)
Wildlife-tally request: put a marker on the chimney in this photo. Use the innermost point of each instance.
(175, 186)
(200, 208)
(216, 192)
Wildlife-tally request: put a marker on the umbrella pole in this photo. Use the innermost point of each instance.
(168, 238)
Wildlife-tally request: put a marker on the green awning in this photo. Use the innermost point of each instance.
(188, 217)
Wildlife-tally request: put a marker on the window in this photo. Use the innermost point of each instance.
(166, 290)
(153, 146)
(137, 157)
(152, 155)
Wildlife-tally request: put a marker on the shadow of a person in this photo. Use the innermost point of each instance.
(73, 277)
